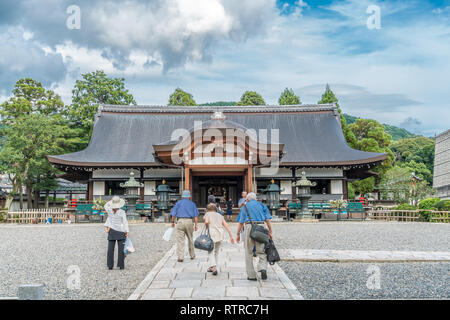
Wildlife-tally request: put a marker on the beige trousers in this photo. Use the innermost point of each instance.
(248, 248)
(185, 227)
(214, 255)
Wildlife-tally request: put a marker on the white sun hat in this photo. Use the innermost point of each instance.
(116, 202)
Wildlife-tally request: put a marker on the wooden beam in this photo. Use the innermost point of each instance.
(187, 178)
(250, 178)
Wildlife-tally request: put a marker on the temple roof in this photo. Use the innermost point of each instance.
(124, 136)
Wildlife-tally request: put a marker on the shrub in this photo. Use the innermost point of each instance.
(428, 203)
(443, 205)
(405, 206)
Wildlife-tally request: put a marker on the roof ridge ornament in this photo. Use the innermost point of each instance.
(218, 116)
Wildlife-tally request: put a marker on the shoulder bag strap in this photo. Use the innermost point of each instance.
(248, 214)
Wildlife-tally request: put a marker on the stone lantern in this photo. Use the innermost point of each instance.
(304, 192)
(273, 196)
(132, 194)
(163, 199)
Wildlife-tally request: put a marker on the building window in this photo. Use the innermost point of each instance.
(113, 188)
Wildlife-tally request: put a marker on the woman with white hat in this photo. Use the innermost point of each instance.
(117, 229)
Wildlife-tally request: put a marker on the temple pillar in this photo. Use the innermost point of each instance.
(187, 178)
(142, 189)
(90, 190)
(345, 188)
(250, 178)
(294, 189)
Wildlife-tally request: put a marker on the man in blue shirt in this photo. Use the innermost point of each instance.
(259, 213)
(185, 211)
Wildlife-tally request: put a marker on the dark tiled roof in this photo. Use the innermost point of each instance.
(124, 135)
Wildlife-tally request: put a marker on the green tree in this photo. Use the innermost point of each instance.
(96, 88)
(398, 183)
(288, 97)
(370, 136)
(329, 97)
(181, 98)
(419, 169)
(29, 97)
(33, 127)
(419, 149)
(251, 98)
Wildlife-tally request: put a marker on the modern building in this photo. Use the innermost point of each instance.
(441, 178)
(217, 150)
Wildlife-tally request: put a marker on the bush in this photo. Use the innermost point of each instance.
(443, 205)
(428, 203)
(405, 206)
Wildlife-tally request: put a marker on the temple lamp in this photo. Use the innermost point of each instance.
(273, 196)
(304, 192)
(163, 199)
(131, 187)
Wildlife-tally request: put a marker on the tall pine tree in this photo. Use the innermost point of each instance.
(329, 97)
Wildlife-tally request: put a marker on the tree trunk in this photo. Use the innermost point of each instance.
(37, 193)
(29, 197)
(47, 194)
(20, 190)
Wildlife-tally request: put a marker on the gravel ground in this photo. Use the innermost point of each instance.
(348, 280)
(320, 280)
(367, 235)
(42, 254)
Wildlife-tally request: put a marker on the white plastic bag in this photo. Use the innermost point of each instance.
(168, 234)
(128, 248)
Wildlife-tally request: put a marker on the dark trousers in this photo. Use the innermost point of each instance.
(121, 254)
(112, 238)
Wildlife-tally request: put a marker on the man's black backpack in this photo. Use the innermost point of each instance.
(271, 252)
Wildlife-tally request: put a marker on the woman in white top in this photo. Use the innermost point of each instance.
(117, 229)
(215, 222)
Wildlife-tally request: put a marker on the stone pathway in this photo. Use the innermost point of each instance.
(310, 255)
(189, 280)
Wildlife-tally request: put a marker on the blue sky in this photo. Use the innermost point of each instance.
(217, 49)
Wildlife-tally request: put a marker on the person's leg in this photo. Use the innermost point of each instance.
(248, 247)
(179, 229)
(110, 255)
(216, 253)
(262, 259)
(189, 229)
(121, 254)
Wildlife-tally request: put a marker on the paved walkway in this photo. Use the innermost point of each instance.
(362, 256)
(189, 280)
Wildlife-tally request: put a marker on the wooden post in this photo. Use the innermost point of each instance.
(90, 191)
(187, 178)
(250, 178)
(294, 189)
(141, 180)
(345, 188)
(246, 181)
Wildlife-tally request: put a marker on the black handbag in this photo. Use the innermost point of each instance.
(271, 252)
(204, 241)
(257, 231)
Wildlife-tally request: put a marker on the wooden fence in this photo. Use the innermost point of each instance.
(37, 216)
(409, 215)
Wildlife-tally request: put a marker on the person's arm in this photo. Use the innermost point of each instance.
(195, 223)
(225, 224)
(269, 225)
(238, 235)
(125, 224)
(173, 213)
(108, 223)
